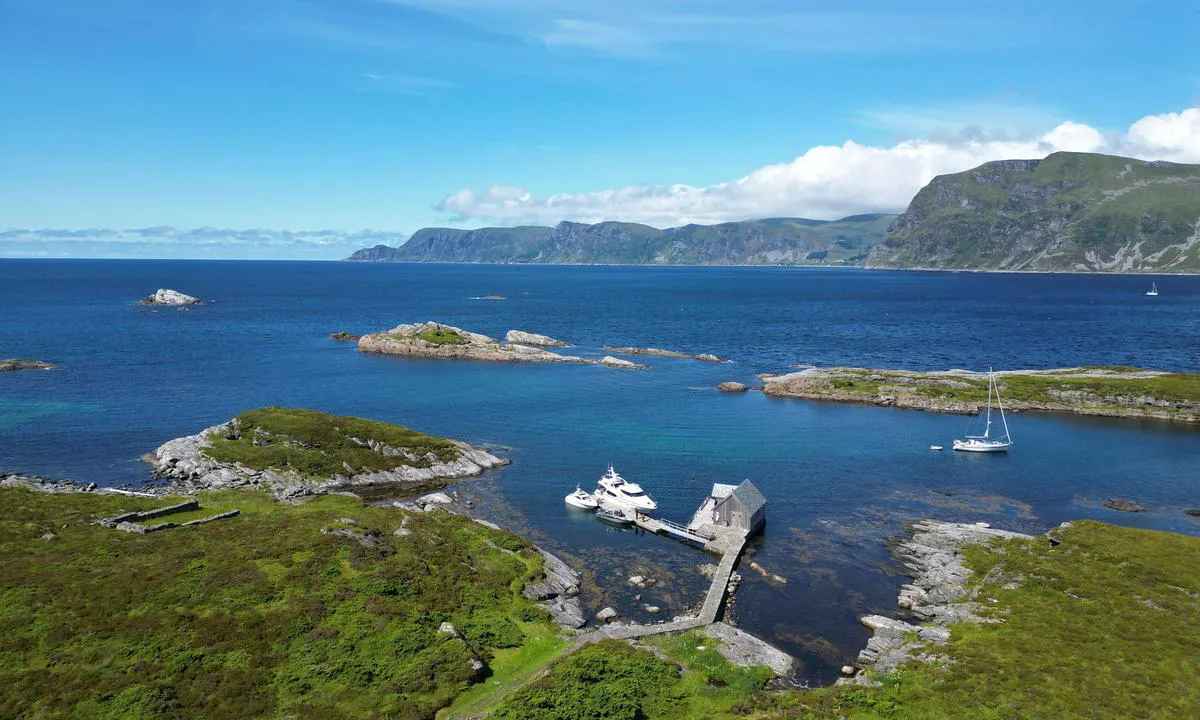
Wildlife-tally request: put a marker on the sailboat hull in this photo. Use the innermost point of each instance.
(981, 447)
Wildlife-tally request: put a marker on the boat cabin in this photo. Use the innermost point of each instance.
(741, 507)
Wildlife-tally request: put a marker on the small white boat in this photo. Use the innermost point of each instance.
(616, 517)
(616, 490)
(986, 443)
(1153, 291)
(582, 499)
(936, 448)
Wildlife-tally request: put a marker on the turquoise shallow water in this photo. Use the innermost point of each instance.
(840, 480)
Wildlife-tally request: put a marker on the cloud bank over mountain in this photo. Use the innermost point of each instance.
(200, 243)
(825, 182)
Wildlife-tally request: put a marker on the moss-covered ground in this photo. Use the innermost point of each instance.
(317, 444)
(258, 616)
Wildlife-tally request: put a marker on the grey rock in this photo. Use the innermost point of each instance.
(164, 296)
(607, 615)
(744, 650)
(733, 387)
(14, 364)
(447, 629)
(520, 337)
(615, 362)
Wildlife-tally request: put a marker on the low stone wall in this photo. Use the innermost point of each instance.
(186, 506)
(129, 522)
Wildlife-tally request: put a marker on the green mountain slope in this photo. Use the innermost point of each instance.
(1071, 211)
(787, 241)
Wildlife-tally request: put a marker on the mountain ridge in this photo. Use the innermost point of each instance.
(1068, 212)
(769, 241)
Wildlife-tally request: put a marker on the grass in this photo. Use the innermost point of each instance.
(441, 336)
(612, 681)
(318, 445)
(1101, 626)
(261, 615)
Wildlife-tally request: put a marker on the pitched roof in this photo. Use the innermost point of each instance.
(721, 491)
(749, 496)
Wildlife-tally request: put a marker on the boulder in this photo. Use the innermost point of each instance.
(343, 336)
(520, 337)
(607, 615)
(447, 629)
(164, 296)
(733, 387)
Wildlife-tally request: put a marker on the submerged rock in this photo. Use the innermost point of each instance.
(164, 296)
(1124, 505)
(343, 336)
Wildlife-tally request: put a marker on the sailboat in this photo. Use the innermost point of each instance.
(986, 442)
(1153, 291)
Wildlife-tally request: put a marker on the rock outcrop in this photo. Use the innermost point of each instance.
(14, 364)
(744, 650)
(558, 592)
(435, 340)
(185, 463)
(937, 595)
(1123, 505)
(733, 387)
(1080, 390)
(175, 298)
(343, 336)
(705, 357)
(614, 362)
(520, 337)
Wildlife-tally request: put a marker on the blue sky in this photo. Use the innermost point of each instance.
(341, 115)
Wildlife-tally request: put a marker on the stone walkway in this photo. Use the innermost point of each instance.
(708, 613)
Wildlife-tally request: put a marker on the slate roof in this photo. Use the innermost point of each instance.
(750, 497)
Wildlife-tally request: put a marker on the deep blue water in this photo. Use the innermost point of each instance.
(840, 480)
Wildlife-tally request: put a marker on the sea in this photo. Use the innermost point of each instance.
(841, 481)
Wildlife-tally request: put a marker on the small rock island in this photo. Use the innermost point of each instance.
(1113, 391)
(437, 340)
(14, 364)
(295, 452)
(170, 298)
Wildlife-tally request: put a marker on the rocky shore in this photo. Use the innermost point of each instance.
(14, 364)
(1102, 391)
(937, 596)
(190, 467)
(440, 341)
(173, 298)
(705, 357)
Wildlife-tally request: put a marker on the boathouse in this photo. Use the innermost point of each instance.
(741, 507)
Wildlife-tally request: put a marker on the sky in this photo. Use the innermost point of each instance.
(303, 129)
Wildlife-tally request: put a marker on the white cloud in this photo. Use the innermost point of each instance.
(826, 182)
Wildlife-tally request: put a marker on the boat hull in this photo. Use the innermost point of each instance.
(981, 447)
(582, 504)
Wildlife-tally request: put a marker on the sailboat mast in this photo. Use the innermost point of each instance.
(987, 430)
(1002, 419)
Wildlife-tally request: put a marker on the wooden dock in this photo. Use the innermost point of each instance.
(666, 527)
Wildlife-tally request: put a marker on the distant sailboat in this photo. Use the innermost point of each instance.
(985, 442)
(1153, 291)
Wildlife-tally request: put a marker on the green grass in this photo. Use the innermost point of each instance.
(441, 336)
(1101, 626)
(318, 445)
(258, 616)
(611, 680)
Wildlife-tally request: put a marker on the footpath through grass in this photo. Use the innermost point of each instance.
(1102, 626)
(258, 616)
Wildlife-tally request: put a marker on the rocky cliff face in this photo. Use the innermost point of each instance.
(1071, 211)
(763, 242)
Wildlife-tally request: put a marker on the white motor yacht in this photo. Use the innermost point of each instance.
(582, 499)
(618, 491)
